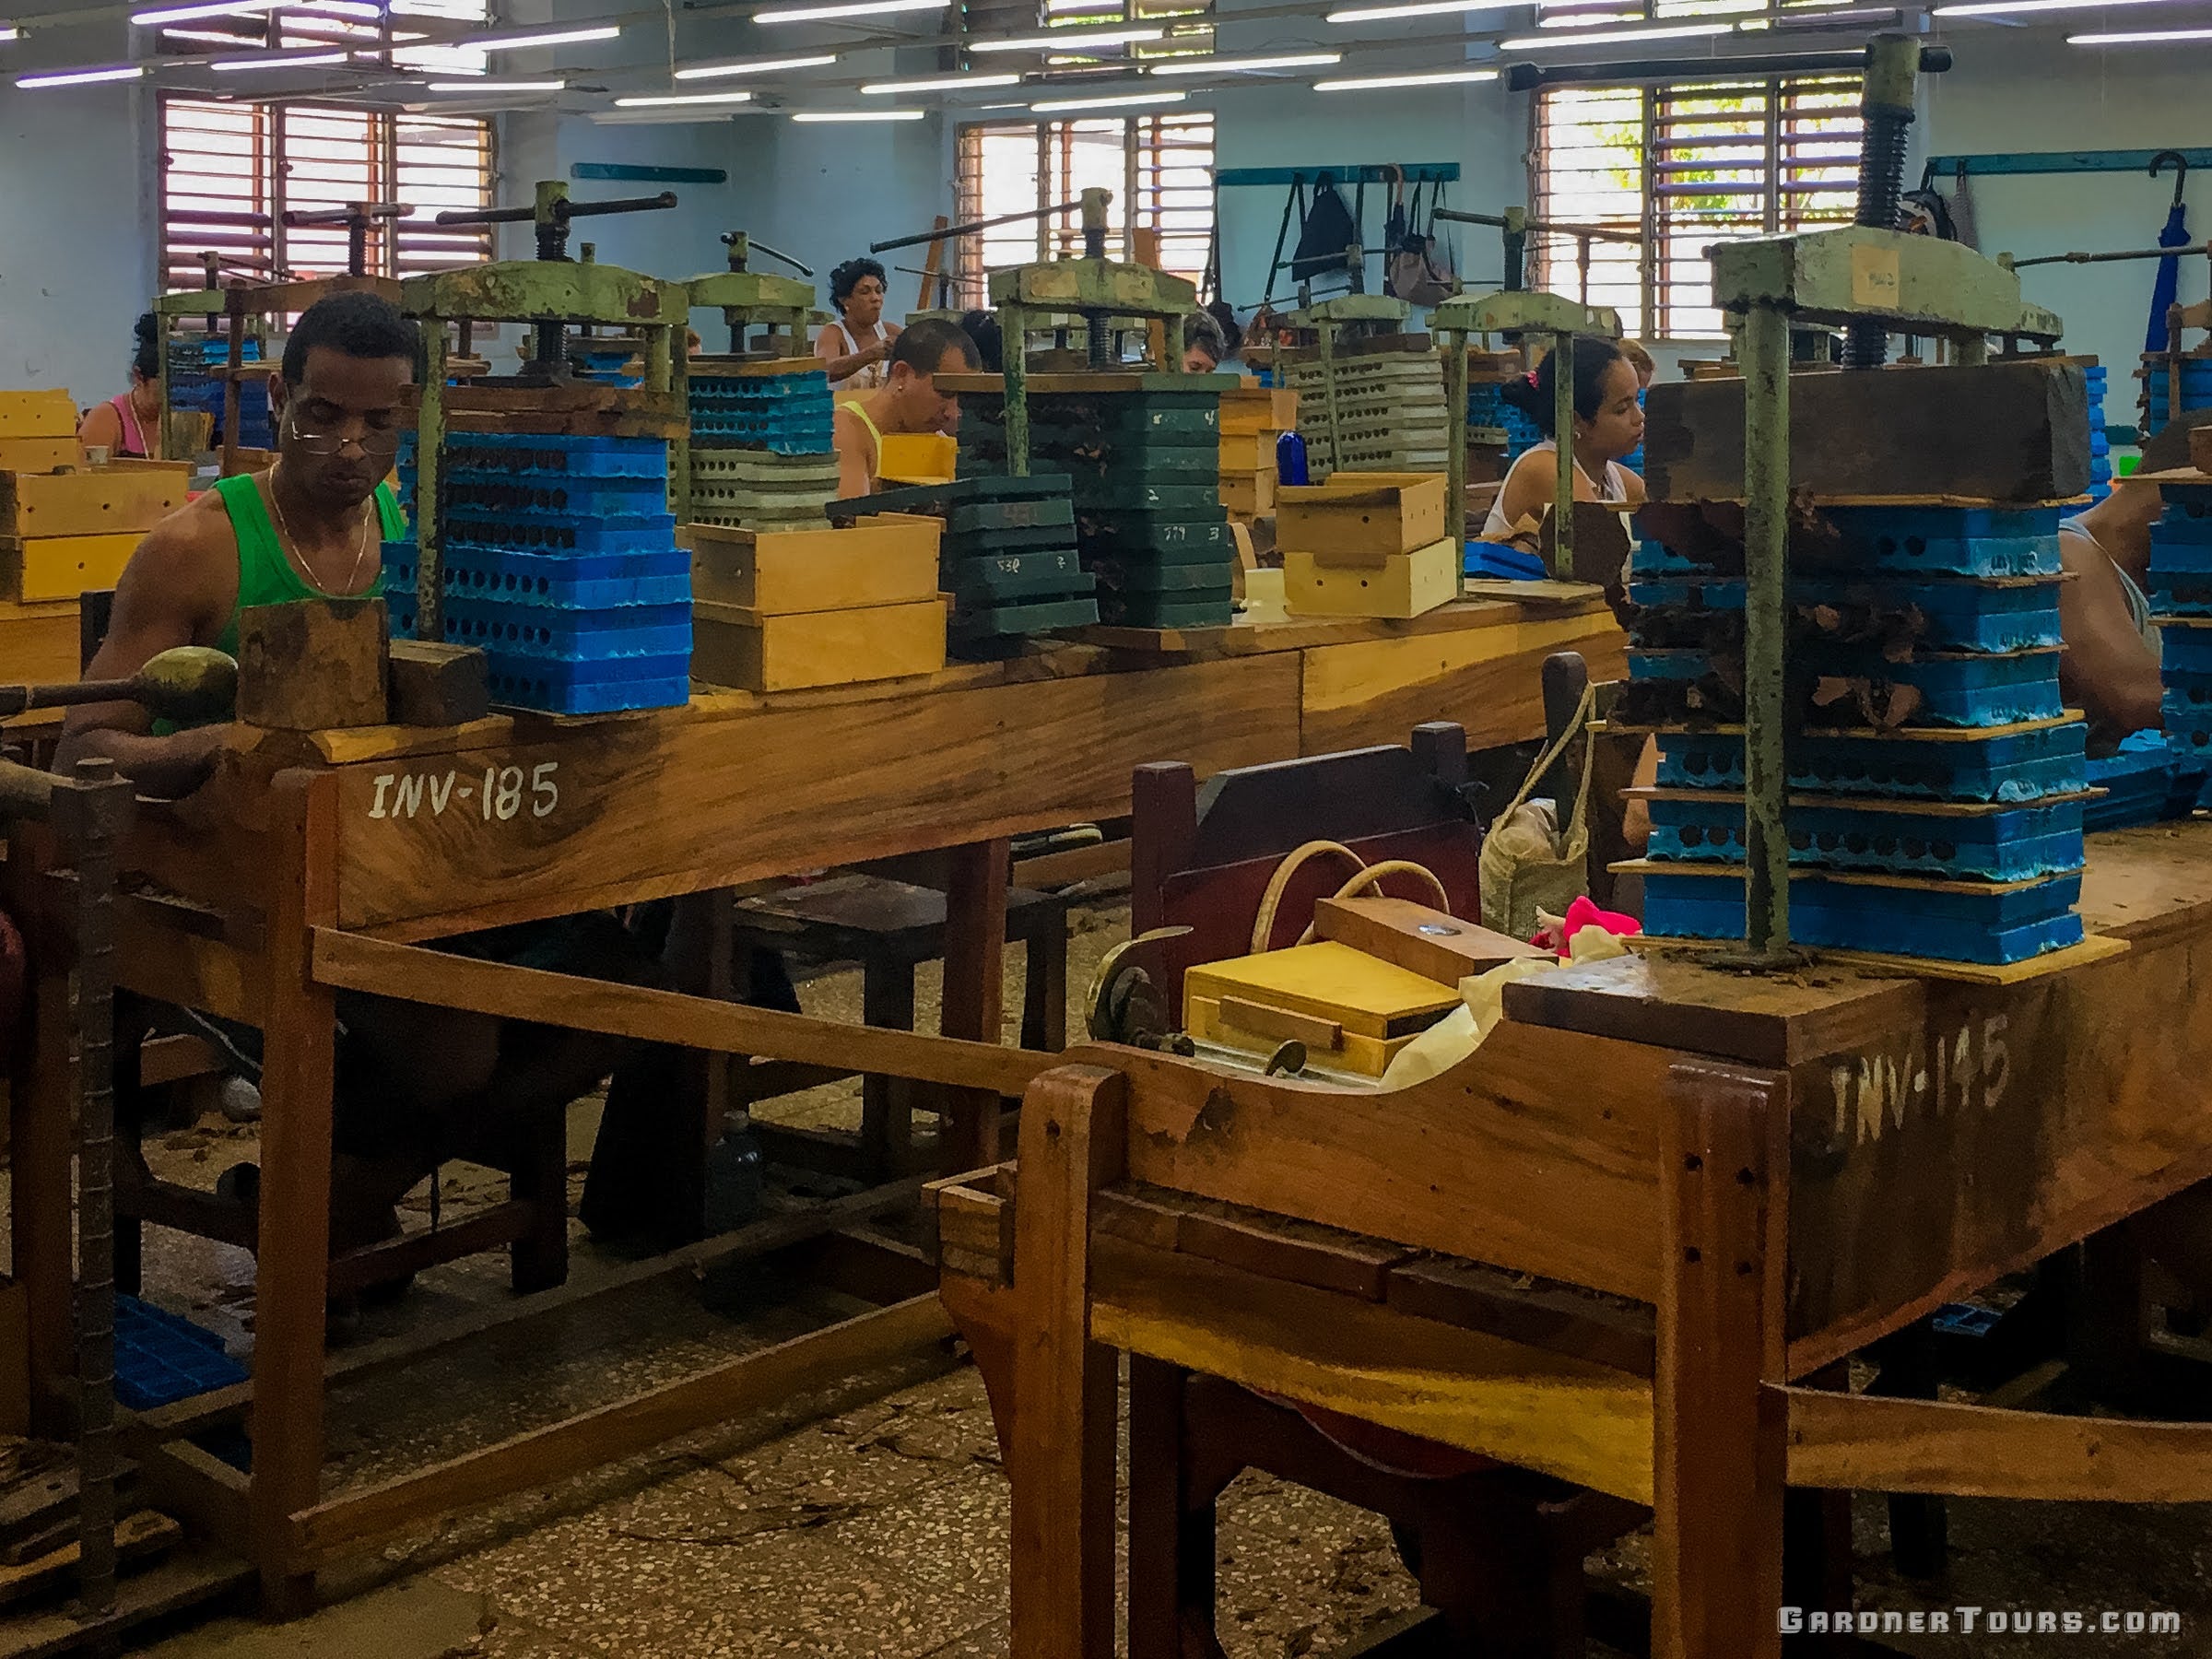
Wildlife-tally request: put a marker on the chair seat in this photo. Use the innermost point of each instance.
(862, 916)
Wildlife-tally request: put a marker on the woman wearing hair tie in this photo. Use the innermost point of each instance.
(1608, 424)
(130, 423)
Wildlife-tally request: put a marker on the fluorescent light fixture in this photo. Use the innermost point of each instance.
(279, 60)
(1127, 101)
(2147, 37)
(498, 86)
(1611, 37)
(81, 78)
(847, 8)
(1434, 77)
(824, 116)
(212, 37)
(185, 14)
(1233, 66)
(2007, 8)
(1069, 39)
(1415, 8)
(665, 100)
(8, 32)
(517, 43)
(758, 66)
(947, 83)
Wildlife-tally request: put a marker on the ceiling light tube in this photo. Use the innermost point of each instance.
(1238, 65)
(185, 14)
(1611, 37)
(8, 32)
(1435, 77)
(665, 100)
(847, 8)
(2147, 37)
(943, 83)
(825, 116)
(498, 86)
(1057, 106)
(1069, 39)
(758, 66)
(279, 60)
(1414, 8)
(517, 43)
(82, 78)
(2007, 8)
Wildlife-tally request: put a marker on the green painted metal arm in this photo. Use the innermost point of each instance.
(524, 290)
(1919, 284)
(1090, 285)
(1520, 311)
(749, 291)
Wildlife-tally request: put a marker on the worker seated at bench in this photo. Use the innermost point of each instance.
(310, 527)
(2111, 667)
(1608, 425)
(907, 401)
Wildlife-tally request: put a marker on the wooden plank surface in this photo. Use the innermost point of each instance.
(650, 807)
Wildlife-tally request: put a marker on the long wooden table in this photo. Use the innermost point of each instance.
(1721, 1184)
(312, 865)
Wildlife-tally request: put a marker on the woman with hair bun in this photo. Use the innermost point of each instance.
(1608, 424)
(853, 348)
(130, 423)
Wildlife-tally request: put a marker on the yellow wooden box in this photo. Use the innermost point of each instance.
(62, 567)
(107, 501)
(1380, 514)
(917, 458)
(1252, 496)
(1256, 408)
(1247, 451)
(51, 414)
(39, 455)
(1396, 585)
(887, 559)
(1352, 1010)
(754, 651)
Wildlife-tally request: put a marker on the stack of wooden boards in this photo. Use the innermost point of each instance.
(1006, 560)
(64, 533)
(1389, 410)
(1366, 545)
(1381, 971)
(1937, 782)
(559, 562)
(761, 454)
(1141, 453)
(1252, 417)
(782, 610)
(38, 432)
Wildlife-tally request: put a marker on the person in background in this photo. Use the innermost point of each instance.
(130, 424)
(1608, 424)
(2110, 670)
(981, 327)
(854, 349)
(1224, 318)
(907, 401)
(1640, 360)
(1204, 348)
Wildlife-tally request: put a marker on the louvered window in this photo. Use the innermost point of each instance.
(1687, 165)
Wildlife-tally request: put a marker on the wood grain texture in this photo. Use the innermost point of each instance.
(1567, 1418)
(1485, 679)
(432, 684)
(39, 642)
(975, 948)
(47, 568)
(1073, 1132)
(1480, 1162)
(1885, 1445)
(94, 502)
(653, 807)
(313, 662)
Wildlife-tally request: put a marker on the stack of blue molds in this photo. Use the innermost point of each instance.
(161, 1358)
(2180, 599)
(559, 562)
(195, 385)
(2197, 388)
(2101, 446)
(1937, 784)
(788, 414)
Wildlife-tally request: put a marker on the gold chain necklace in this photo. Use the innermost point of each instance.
(291, 543)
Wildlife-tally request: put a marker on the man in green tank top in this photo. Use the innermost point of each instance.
(309, 527)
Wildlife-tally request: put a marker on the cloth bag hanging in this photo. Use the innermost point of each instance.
(1530, 862)
(1418, 272)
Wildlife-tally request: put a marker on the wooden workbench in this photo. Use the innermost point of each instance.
(313, 865)
(1775, 1171)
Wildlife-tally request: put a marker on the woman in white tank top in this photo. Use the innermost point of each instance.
(854, 347)
(1608, 424)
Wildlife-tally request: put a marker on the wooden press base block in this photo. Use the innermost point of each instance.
(312, 664)
(752, 650)
(1424, 941)
(50, 414)
(1399, 584)
(62, 567)
(107, 501)
(1258, 1029)
(888, 559)
(39, 455)
(1366, 513)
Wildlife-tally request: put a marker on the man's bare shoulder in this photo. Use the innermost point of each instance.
(187, 565)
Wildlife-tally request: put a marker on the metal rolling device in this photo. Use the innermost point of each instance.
(1517, 227)
(1874, 281)
(746, 297)
(548, 293)
(1514, 312)
(1092, 286)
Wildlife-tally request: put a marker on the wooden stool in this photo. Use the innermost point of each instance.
(890, 928)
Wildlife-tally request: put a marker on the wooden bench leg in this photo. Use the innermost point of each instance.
(539, 1259)
(1171, 1526)
(887, 1104)
(1719, 1440)
(1044, 983)
(975, 945)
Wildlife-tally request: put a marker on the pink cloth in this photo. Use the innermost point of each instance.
(1582, 913)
